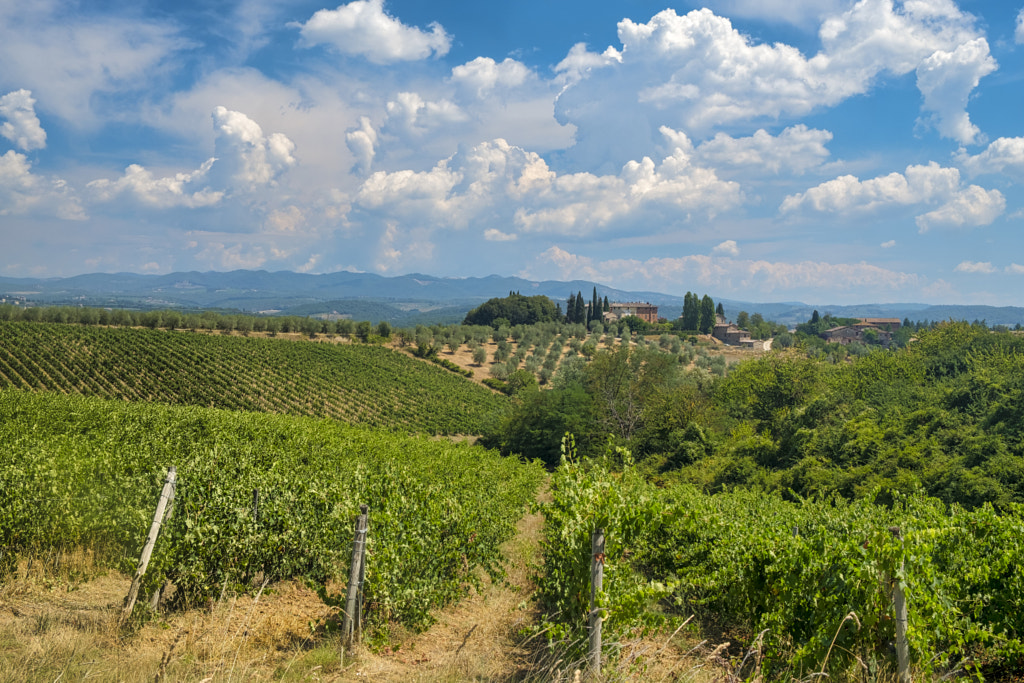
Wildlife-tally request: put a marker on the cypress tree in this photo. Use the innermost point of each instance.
(707, 315)
(691, 311)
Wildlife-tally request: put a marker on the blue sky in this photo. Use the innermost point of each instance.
(769, 150)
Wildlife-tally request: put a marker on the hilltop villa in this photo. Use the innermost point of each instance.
(642, 310)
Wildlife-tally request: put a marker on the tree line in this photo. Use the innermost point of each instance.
(943, 415)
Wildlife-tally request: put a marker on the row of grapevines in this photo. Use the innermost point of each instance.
(352, 383)
(751, 562)
(86, 472)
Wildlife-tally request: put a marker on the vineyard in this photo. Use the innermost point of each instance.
(86, 473)
(361, 384)
(806, 588)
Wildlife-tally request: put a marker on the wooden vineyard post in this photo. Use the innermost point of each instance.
(362, 571)
(166, 498)
(596, 579)
(899, 603)
(352, 592)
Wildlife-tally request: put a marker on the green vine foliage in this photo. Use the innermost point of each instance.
(353, 383)
(587, 496)
(745, 562)
(83, 472)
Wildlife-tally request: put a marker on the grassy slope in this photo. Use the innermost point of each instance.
(352, 383)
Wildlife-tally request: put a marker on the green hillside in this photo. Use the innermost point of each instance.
(81, 472)
(353, 383)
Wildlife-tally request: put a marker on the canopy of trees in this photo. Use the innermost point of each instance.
(944, 415)
(515, 309)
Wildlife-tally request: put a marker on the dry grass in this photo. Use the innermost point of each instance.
(58, 621)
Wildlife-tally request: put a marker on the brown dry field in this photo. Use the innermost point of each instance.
(59, 623)
(463, 357)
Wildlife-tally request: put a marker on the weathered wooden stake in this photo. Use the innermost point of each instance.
(365, 510)
(166, 497)
(596, 579)
(352, 590)
(899, 603)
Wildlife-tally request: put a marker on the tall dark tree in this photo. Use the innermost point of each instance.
(691, 311)
(607, 307)
(579, 310)
(720, 310)
(707, 315)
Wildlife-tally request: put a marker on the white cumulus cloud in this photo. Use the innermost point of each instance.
(22, 126)
(363, 28)
(1003, 155)
(409, 115)
(696, 71)
(946, 80)
(982, 267)
(25, 193)
(1015, 269)
(481, 100)
(362, 142)
(516, 196)
(483, 75)
(889, 244)
(246, 158)
(727, 248)
(245, 161)
(796, 149)
(973, 206)
(918, 185)
(181, 189)
(1018, 34)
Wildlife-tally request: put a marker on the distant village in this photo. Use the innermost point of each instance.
(875, 331)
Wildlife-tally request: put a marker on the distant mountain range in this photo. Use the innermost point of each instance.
(408, 299)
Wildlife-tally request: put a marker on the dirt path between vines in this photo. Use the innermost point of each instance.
(479, 639)
(61, 626)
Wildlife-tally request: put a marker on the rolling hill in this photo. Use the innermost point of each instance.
(357, 384)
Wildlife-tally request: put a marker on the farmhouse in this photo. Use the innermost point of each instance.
(729, 333)
(643, 310)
